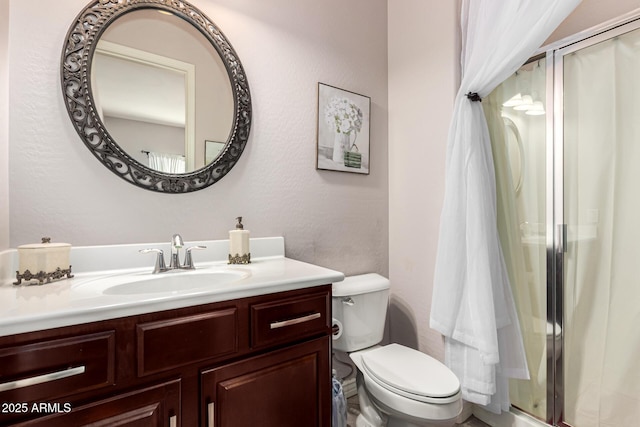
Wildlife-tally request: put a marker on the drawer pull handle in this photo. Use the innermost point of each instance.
(26, 382)
(173, 421)
(211, 409)
(282, 324)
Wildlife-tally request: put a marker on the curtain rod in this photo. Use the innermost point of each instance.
(148, 152)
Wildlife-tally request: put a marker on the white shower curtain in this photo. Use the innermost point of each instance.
(472, 303)
(602, 283)
(169, 163)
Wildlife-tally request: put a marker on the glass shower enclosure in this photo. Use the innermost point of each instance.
(566, 143)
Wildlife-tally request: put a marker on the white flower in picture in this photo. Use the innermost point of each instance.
(343, 116)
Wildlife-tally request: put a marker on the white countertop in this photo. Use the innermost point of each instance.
(26, 308)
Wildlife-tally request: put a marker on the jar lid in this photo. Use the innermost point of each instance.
(46, 243)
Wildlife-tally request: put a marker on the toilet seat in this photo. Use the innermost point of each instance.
(411, 374)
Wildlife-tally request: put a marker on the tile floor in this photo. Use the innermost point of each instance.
(473, 422)
(353, 411)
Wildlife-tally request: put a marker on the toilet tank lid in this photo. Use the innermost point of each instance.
(363, 283)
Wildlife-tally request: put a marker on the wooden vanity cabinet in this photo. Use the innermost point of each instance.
(258, 361)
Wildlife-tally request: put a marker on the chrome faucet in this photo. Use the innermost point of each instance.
(174, 264)
(176, 245)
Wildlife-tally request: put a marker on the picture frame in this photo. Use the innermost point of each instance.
(343, 127)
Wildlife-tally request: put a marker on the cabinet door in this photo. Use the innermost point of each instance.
(157, 406)
(284, 388)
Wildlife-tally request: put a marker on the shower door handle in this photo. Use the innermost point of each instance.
(562, 238)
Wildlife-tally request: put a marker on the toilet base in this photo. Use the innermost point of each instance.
(407, 421)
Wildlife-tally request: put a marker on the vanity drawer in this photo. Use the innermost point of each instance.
(57, 368)
(167, 344)
(289, 319)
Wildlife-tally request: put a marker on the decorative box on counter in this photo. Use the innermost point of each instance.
(43, 262)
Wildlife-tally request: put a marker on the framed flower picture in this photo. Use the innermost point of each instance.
(343, 130)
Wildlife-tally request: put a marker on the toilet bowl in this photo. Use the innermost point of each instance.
(397, 386)
(409, 387)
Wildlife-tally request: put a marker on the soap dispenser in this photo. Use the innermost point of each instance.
(239, 244)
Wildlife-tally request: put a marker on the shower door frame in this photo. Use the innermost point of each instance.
(556, 227)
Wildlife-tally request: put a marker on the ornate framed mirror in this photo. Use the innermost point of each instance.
(147, 83)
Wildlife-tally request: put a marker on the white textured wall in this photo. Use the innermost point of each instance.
(423, 79)
(4, 127)
(337, 220)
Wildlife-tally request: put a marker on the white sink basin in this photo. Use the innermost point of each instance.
(174, 282)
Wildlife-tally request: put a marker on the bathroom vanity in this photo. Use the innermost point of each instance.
(253, 352)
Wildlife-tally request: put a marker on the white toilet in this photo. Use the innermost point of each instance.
(397, 386)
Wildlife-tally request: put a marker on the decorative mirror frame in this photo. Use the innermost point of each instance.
(77, 54)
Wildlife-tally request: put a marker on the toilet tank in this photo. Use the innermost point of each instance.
(359, 306)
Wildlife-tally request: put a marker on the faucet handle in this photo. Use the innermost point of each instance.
(188, 259)
(160, 265)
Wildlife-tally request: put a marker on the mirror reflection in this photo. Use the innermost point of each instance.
(162, 91)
